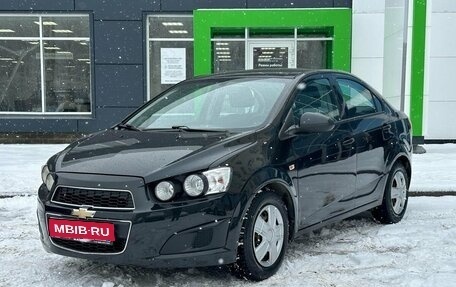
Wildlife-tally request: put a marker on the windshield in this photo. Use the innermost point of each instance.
(216, 104)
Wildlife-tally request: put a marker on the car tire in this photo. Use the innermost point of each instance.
(395, 197)
(263, 239)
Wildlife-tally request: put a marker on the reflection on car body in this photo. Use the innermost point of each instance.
(227, 169)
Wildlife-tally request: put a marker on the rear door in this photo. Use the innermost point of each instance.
(371, 127)
(326, 162)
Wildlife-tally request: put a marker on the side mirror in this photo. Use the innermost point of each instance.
(315, 123)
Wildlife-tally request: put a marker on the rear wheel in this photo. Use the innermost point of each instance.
(395, 197)
(264, 238)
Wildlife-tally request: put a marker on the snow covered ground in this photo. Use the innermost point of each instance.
(419, 251)
(434, 170)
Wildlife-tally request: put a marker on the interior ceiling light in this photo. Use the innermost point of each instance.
(34, 43)
(224, 60)
(83, 43)
(224, 56)
(178, 31)
(64, 52)
(51, 48)
(223, 53)
(173, 24)
(46, 23)
(221, 43)
(6, 31)
(222, 48)
(61, 31)
(84, 60)
(6, 59)
(268, 52)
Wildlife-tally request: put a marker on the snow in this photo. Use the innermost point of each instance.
(434, 170)
(419, 251)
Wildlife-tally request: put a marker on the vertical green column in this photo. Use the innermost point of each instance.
(417, 66)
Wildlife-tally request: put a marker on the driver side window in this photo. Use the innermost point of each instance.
(315, 96)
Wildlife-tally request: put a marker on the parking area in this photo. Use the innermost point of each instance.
(419, 251)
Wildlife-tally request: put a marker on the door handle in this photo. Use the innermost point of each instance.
(387, 127)
(348, 141)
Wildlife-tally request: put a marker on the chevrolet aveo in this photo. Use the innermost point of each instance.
(228, 169)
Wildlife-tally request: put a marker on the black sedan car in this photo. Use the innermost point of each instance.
(228, 169)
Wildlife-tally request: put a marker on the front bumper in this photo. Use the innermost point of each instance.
(182, 234)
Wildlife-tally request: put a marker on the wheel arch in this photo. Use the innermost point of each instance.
(271, 179)
(406, 162)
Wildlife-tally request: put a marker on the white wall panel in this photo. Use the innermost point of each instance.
(369, 6)
(441, 120)
(368, 35)
(443, 41)
(442, 77)
(443, 6)
(370, 70)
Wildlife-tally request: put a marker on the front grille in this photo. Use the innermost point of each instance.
(93, 197)
(117, 246)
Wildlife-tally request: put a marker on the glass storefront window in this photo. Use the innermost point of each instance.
(77, 26)
(67, 76)
(170, 51)
(228, 56)
(46, 72)
(311, 54)
(172, 26)
(12, 26)
(20, 77)
(162, 72)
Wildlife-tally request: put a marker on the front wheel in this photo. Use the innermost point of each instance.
(264, 238)
(395, 197)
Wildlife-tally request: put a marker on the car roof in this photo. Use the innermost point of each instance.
(283, 73)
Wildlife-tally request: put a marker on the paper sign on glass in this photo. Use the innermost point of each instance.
(173, 63)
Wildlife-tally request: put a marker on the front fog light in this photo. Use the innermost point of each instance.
(49, 181)
(194, 185)
(165, 190)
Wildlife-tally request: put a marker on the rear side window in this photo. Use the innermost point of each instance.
(315, 96)
(358, 99)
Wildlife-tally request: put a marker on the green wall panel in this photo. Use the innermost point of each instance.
(336, 20)
(417, 66)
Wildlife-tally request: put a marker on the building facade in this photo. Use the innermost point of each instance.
(79, 66)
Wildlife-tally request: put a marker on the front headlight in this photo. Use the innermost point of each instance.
(49, 181)
(194, 185)
(209, 182)
(47, 177)
(165, 190)
(44, 173)
(218, 179)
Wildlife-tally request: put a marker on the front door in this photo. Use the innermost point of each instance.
(326, 161)
(265, 54)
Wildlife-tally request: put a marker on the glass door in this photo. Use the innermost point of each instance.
(269, 53)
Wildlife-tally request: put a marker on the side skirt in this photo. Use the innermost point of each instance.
(338, 218)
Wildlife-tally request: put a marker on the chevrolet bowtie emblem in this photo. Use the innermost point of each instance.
(83, 213)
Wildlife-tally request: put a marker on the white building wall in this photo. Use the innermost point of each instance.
(441, 102)
(368, 41)
(377, 50)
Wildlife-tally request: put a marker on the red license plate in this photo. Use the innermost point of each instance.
(81, 230)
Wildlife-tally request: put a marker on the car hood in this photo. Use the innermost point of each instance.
(151, 154)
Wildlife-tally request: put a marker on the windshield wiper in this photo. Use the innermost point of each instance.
(127, 127)
(188, 129)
